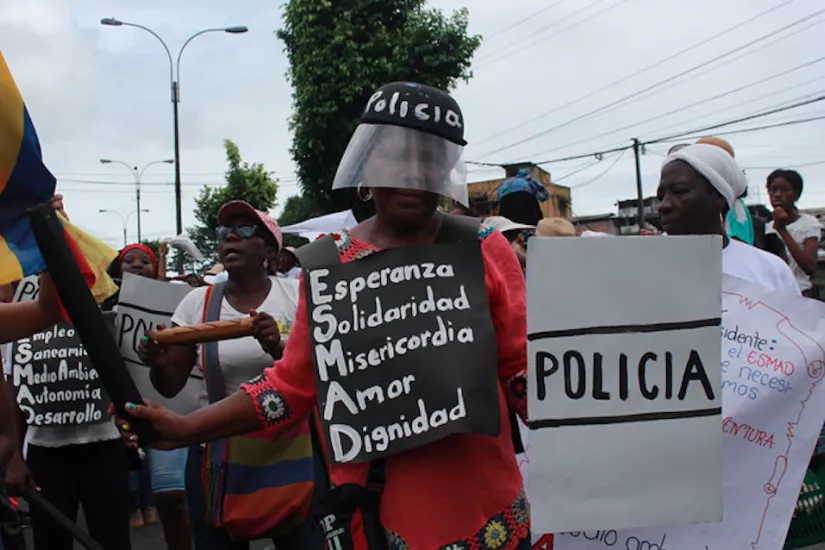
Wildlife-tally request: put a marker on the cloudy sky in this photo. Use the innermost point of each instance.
(553, 78)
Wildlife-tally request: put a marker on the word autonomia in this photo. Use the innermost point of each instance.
(576, 383)
(379, 437)
(322, 315)
(378, 103)
(375, 280)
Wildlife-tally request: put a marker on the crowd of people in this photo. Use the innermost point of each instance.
(462, 491)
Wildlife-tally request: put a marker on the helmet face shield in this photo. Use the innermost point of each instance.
(388, 155)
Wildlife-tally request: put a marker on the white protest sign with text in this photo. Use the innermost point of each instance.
(404, 349)
(773, 405)
(143, 304)
(624, 382)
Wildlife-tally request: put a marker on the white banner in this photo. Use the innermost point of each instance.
(773, 404)
(624, 382)
(143, 304)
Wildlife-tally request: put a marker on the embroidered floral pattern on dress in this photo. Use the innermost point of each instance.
(271, 405)
(395, 542)
(485, 231)
(521, 509)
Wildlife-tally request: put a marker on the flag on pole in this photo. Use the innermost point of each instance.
(26, 182)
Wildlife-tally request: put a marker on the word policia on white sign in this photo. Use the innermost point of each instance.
(53, 379)
(773, 364)
(627, 362)
(404, 350)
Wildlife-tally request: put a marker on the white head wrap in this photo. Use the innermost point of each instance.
(720, 169)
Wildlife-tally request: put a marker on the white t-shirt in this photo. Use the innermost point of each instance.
(243, 358)
(801, 230)
(757, 266)
(294, 273)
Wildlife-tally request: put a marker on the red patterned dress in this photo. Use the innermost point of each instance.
(461, 492)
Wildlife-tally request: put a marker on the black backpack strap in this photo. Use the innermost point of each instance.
(319, 253)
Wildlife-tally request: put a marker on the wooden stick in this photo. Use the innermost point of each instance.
(206, 332)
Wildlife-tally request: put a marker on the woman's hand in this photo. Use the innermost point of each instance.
(171, 427)
(18, 476)
(265, 330)
(149, 350)
(780, 218)
(129, 437)
(57, 204)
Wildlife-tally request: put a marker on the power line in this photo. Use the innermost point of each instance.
(653, 86)
(639, 72)
(691, 105)
(529, 44)
(803, 165)
(704, 129)
(522, 21)
(608, 169)
(741, 119)
(754, 100)
(580, 169)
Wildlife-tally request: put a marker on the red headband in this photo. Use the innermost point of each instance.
(143, 248)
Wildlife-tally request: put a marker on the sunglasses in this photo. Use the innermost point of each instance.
(241, 231)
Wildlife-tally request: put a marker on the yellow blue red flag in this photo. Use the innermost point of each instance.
(26, 182)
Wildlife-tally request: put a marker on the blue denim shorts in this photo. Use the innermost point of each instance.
(167, 470)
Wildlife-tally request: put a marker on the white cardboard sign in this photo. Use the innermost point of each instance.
(624, 382)
(773, 397)
(143, 304)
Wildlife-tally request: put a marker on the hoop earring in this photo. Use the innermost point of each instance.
(361, 196)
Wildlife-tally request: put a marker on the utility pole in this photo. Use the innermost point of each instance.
(639, 192)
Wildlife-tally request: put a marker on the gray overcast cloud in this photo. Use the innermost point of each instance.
(103, 92)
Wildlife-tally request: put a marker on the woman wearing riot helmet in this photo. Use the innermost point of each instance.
(465, 489)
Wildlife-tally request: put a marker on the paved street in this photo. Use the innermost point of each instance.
(151, 538)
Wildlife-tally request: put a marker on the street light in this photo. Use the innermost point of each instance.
(124, 221)
(138, 174)
(174, 79)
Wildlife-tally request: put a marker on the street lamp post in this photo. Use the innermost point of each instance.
(124, 221)
(174, 80)
(138, 174)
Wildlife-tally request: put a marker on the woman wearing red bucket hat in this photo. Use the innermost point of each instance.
(416, 486)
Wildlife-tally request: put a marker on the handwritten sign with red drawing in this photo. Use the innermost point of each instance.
(773, 362)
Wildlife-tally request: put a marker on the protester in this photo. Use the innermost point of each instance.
(799, 232)
(287, 264)
(463, 490)
(699, 185)
(249, 242)
(738, 221)
(555, 227)
(165, 469)
(519, 198)
(70, 465)
(516, 234)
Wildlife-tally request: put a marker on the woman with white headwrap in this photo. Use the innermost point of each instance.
(699, 185)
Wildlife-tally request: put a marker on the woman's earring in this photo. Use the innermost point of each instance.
(266, 264)
(361, 196)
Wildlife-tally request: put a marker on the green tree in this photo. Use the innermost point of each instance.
(340, 52)
(244, 181)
